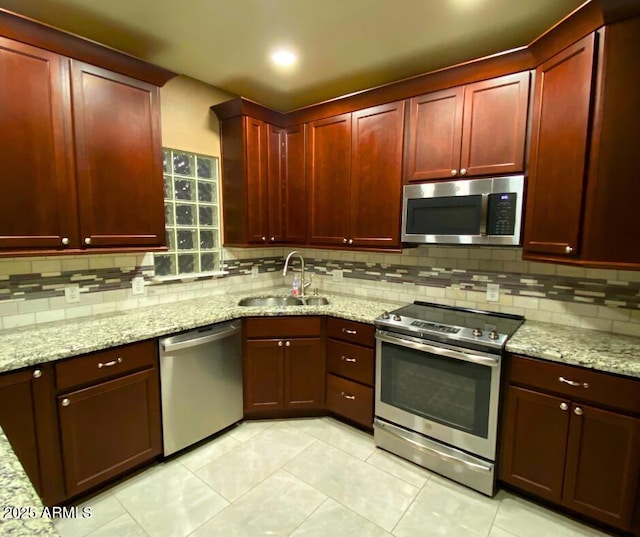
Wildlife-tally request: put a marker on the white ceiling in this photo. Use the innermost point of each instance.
(344, 45)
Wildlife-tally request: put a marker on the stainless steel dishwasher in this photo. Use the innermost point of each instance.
(201, 383)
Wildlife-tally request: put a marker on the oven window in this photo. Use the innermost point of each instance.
(444, 390)
(451, 215)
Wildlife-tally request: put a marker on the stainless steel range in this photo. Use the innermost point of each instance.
(437, 388)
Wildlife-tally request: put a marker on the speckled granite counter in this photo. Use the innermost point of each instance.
(587, 348)
(37, 344)
(16, 491)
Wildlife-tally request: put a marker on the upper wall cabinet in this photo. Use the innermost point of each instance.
(82, 159)
(472, 130)
(582, 202)
(354, 178)
(262, 182)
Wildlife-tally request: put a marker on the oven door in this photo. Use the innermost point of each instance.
(447, 393)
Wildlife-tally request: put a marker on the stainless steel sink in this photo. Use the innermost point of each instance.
(276, 301)
(315, 301)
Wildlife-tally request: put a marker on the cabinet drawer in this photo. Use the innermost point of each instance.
(351, 331)
(351, 361)
(350, 399)
(274, 327)
(104, 364)
(603, 388)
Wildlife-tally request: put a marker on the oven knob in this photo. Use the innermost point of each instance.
(397, 317)
(385, 315)
(493, 335)
(477, 332)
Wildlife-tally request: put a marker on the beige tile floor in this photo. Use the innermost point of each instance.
(305, 478)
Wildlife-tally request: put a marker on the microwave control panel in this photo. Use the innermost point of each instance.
(501, 217)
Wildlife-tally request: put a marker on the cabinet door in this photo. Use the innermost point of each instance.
(558, 152)
(434, 135)
(294, 205)
(304, 373)
(603, 465)
(534, 437)
(495, 125)
(263, 374)
(376, 176)
(109, 428)
(38, 205)
(273, 204)
(328, 175)
(256, 142)
(28, 418)
(116, 120)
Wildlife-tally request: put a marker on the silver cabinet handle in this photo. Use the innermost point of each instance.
(280, 343)
(37, 374)
(348, 396)
(288, 344)
(351, 332)
(344, 240)
(109, 364)
(573, 382)
(564, 406)
(568, 249)
(65, 402)
(463, 171)
(273, 239)
(577, 411)
(65, 240)
(454, 173)
(346, 359)
(350, 241)
(87, 240)
(264, 238)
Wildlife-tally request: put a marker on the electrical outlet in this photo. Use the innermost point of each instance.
(137, 285)
(72, 294)
(493, 292)
(254, 271)
(337, 275)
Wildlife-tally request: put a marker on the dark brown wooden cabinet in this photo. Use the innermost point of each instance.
(109, 414)
(350, 370)
(561, 445)
(354, 177)
(581, 204)
(83, 154)
(478, 129)
(28, 418)
(284, 365)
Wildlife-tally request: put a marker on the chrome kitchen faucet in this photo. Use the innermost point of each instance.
(303, 283)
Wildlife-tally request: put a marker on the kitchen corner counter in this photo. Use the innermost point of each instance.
(592, 349)
(16, 491)
(33, 345)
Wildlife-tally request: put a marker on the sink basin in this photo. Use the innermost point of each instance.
(272, 301)
(316, 301)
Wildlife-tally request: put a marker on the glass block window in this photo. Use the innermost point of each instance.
(192, 215)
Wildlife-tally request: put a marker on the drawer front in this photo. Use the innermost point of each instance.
(274, 327)
(592, 386)
(350, 399)
(351, 331)
(105, 364)
(351, 361)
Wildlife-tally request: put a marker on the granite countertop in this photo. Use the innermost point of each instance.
(16, 491)
(578, 346)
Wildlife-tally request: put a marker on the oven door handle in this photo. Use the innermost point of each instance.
(440, 351)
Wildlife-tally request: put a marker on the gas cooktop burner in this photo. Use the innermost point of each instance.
(460, 326)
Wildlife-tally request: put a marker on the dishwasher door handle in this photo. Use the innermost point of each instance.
(169, 347)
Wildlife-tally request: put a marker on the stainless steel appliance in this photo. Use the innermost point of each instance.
(475, 211)
(201, 383)
(437, 388)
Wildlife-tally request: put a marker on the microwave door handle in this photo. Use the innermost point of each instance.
(484, 211)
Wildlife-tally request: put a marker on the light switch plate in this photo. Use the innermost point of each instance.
(254, 271)
(137, 285)
(72, 294)
(337, 275)
(493, 292)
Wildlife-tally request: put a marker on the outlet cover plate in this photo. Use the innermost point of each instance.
(72, 294)
(254, 271)
(493, 292)
(337, 275)
(137, 286)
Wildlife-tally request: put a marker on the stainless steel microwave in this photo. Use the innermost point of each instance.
(476, 211)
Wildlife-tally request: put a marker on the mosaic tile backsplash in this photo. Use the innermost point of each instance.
(32, 290)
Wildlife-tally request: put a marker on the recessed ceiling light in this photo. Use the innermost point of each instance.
(284, 58)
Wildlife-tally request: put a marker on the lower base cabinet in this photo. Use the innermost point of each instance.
(561, 445)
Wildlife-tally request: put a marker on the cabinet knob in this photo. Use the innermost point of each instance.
(344, 241)
(65, 402)
(37, 374)
(577, 411)
(65, 240)
(264, 238)
(454, 173)
(564, 406)
(87, 240)
(463, 171)
(280, 343)
(350, 241)
(288, 343)
(568, 249)
(273, 239)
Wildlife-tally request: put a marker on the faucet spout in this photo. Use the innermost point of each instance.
(303, 284)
